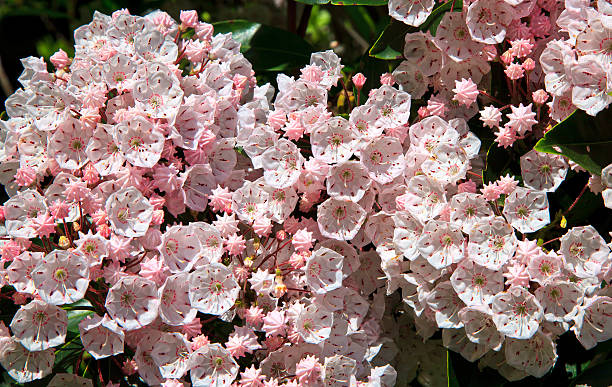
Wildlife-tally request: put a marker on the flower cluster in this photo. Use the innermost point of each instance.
(155, 184)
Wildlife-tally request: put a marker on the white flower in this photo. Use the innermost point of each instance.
(517, 313)
(527, 210)
(584, 251)
(592, 321)
(282, 164)
(334, 141)
(132, 302)
(441, 244)
(139, 141)
(101, 336)
(340, 219)
(543, 171)
(213, 289)
(175, 307)
(536, 356)
(171, 354)
(62, 277)
(180, 248)
(212, 365)
(384, 159)
(25, 366)
(20, 211)
(324, 270)
(314, 324)
(39, 326)
(129, 212)
(492, 242)
(475, 284)
(348, 180)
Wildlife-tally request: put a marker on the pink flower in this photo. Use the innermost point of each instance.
(189, 18)
(507, 184)
(254, 316)
(262, 226)
(309, 370)
(235, 244)
(491, 191)
(60, 59)
(521, 119)
(539, 97)
(302, 240)
(465, 91)
(199, 341)
(44, 224)
(387, 79)
(506, 136)
(25, 176)
(521, 47)
(312, 73)
(252, 377)
(359, 80)
(529, 65)
(275, 323)
(514, 71)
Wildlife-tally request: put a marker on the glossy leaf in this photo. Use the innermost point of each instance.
(597, 375)
(267, 48)
(390, 43)
(584, 139)
(500, 162)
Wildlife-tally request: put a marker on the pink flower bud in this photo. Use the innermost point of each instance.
(277, 119)
(281, 235)
(204, 31)
(529, 65)
(514, 71)
(189, 18)
(387, 79)
(490, 52)
(507, 57)
(312, 73)
(539, 97)
(423, 112)
(25, 176)
(60, 59)
(359, 80)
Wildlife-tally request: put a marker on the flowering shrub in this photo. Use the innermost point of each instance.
(170, 214)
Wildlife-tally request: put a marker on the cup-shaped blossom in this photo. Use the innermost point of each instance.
(199, 181)
(62, 380)
(517, 313)
(527, 210)
(479, 327)
(446, 304)
(101, 336)
(314, 324)
(20, 212)
(20, 270)
(559, 300)
(334, 141)
(475, 284)
(384, 159)
(457, 340)
(62, 277)
(281, 201)
(210, 242)
(180, 248)
(592, 321)
(441, 244)
(406, 234)
(249, 202)
(148, 370)
(468, 208)
(425, 198)
(171, 354)
(25, 366)
(350, 262)
(39, 326)
(282, 164)
(324, 270)
(536, 355)
(212, 365)
(129, 212)
(453, 37)
(584, 251)
(543, 171)
(213, 289)
(338, 370)
(158, 93)
(487, 20)
(175, 307)
(413, 13)
(340, 219)
(140, 142)
(348, 180)
(68, 143)
(133, 302)
(492, 242)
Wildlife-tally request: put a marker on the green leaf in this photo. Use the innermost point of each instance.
(76, 315)
(584, 139)
(500, 162)
(598, 375)
(313, 2)
(390, 43)
(267, 48)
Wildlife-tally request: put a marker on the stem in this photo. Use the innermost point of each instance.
(474, 174)
(301, 31)
(346, 94)
(482, 92)
(273, 253)
(578, 198)
(550, 241)
(291, 15)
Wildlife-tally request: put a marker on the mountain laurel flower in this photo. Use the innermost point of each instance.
(465, 91)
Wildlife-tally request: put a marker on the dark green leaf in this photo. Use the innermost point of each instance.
(390, 43)
(75, 315)
(500, 161)
(584, 139)
(267, 48)
(451, 377)
(599, 375)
